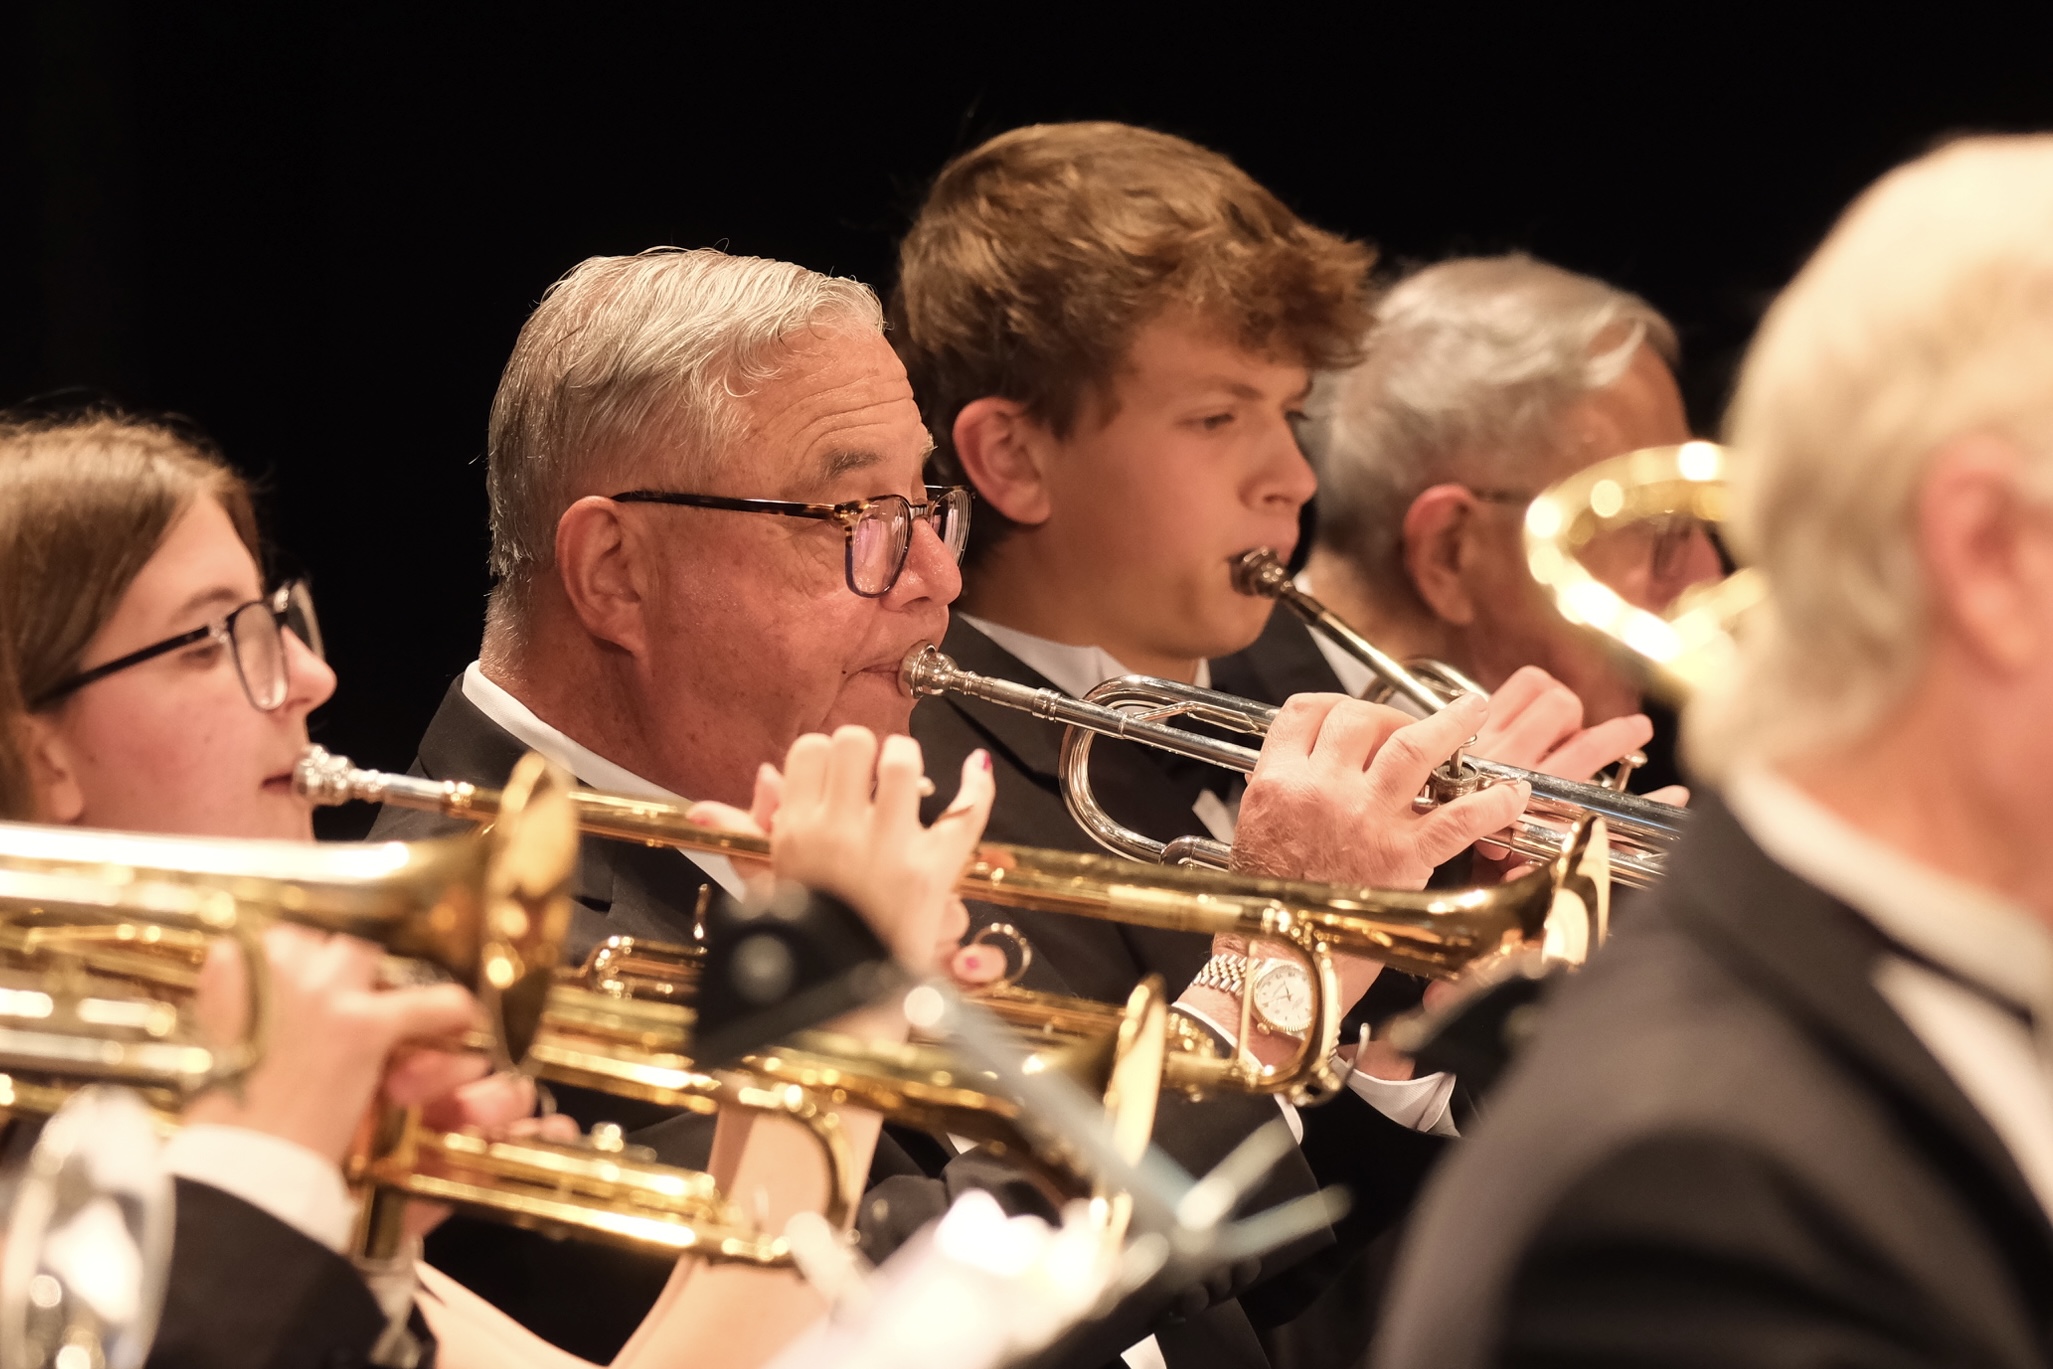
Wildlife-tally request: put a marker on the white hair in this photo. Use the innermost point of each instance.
(1927, 315)
(628, 358)
(1468, 373)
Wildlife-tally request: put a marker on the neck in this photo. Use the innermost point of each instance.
(588, 690)
(1391, 621)
(1938, 781)
(1015, 586)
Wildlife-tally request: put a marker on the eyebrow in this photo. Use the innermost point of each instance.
(207, 598)
(848, 460)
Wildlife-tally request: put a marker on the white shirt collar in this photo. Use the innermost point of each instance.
(1969, 930)
(1075, 670)
(587, 765)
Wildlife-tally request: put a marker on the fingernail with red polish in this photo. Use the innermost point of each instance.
(984, 759)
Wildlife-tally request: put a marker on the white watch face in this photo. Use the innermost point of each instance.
(1283, 996)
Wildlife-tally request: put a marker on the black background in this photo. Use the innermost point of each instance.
(317, 230)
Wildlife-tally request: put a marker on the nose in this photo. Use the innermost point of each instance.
(1284, 480)
(309, 680)
(930, 572)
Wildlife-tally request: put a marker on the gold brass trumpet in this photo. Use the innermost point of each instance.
(490, 909)
(1673, 652)
(1641, 830)
(101, 940)
(1437, 933)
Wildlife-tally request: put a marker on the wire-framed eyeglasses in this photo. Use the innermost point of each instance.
(878, 531)
(254, 634)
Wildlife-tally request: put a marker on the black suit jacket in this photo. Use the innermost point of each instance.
(248, 1292)
(1726, 1148)
(588, 1298)
(583, 1296)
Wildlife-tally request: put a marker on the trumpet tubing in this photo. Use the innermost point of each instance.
(1436, 933)
(491, 909)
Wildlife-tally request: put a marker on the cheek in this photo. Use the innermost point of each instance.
(154, 761)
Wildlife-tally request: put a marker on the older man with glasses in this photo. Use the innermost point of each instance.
(1485, 380)
(710, 536)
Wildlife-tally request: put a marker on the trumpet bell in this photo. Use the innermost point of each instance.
(1672, 652)
(491, 909)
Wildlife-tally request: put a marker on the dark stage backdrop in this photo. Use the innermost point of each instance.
(317, 232)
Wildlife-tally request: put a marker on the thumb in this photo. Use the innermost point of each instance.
(723, 817)
(769, 796)
(963, 820)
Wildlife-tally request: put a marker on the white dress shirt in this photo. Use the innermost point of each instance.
(1996, 958)
(587, 765)
(1423, 1104)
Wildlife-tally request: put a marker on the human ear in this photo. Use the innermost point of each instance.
(1436, 529)
(1003, 452)
(1987, 551)
(600, 569)
(54, 786)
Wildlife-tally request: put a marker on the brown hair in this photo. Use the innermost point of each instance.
(17, 800)
(84, 502)
(1039, 255)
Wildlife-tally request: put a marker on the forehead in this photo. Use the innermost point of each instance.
(201, 564)
(839, 410)
(1642, 408)
(1181, 352)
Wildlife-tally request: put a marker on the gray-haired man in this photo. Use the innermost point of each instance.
(1485, 380)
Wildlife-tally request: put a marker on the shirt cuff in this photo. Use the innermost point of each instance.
(1227, 1038)
(279, 1177)
(1424, 1104)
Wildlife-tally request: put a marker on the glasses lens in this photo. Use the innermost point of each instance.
(259, 654)
(299, 616)
(877, 547)
(951, 520)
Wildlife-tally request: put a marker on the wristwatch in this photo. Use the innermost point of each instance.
(1279, 991)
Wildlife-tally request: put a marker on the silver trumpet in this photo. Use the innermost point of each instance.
(1133, 707)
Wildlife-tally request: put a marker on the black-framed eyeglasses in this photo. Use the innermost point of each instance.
(878, 531)
(1670, 534)
(254, 634)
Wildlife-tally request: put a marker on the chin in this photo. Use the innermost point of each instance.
(871, 700)
(1234, 626)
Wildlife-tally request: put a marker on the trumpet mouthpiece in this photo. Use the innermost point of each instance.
(323, 778)
(1258, 574)
(925, 671)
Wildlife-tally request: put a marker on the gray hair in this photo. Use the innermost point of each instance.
(629, 358)
(1926, 315)
(1469, 371)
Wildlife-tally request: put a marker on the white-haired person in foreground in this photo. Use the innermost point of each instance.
(1485, 380)
(1801, 1111)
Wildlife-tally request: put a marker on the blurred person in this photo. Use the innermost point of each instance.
(1799, 1111)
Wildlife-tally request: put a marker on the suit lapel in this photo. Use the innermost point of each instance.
(1144, 788)
(1283, 661)
(643, 891)
(1816, 956)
